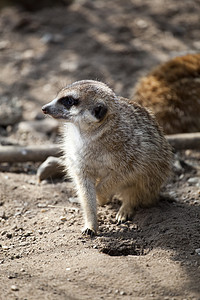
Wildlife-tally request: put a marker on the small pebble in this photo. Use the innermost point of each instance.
(4, 44)
(14, 288)
(122, 293)
(68, 269)
(41, 205)
(63, 218)
(73, 200)
(197, 44)
(47, 38)
(141, 24)
(5, 247)
(11, 276)
(194, 180)
(197, 251)
(22, 270)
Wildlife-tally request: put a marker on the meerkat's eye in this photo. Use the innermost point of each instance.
(99, 111)
(68, 101)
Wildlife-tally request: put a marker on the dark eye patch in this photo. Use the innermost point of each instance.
(68, 101)
(99, 111)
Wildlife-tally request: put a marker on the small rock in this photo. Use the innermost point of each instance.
(142, 24)
(23, 244)
(197, 251)
(50, 168)
(22, 270)
(122, 293)
(181, 176)
(197, 44)
(177, 167)
(14, 288)
(48, 38)
(5, 247)
(63, 218)
(12, 276)
(194, 180)
(28, 54)
(42, 205)
(4, 44)
(73, 200)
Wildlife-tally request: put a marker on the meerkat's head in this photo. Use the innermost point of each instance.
(85, 102)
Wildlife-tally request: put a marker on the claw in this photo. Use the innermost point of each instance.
(121, 219)
(89, 232)
(119, 222)
(124, 214)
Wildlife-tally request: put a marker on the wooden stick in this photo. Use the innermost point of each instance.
(40, 153)
(28, 153)
(183, 141)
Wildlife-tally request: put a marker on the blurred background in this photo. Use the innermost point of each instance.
(47, 44)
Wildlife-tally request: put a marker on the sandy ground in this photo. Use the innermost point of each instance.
(42, 252)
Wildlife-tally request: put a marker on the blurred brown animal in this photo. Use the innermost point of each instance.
(172, 92)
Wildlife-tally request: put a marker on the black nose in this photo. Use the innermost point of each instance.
(44, 109)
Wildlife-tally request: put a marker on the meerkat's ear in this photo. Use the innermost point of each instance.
(99, 111)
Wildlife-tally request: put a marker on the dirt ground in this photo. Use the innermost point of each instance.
(42, 252)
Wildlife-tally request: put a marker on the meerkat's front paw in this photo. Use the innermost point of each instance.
(89, 231)
(124, 214)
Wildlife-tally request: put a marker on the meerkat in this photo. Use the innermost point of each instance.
(111, 148)
(172, 92)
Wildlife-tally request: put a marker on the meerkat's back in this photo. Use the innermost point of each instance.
(172, 92)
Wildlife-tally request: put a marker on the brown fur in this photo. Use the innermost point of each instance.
(172, 92)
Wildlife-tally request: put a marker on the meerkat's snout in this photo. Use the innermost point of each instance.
(48, 109)
(58, 108)
(45, 109)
